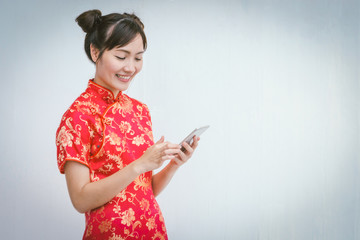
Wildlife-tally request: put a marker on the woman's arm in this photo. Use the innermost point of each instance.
(86, 195)
(162, 178)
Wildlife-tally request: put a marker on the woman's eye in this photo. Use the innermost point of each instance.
(138, 59)
(121, 58)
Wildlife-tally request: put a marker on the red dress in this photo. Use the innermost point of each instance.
(106, 134)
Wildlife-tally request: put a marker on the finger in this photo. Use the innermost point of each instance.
(172, 151)
(173, 145)
(163, 147)
(188, 148)
(182, 156)
(166, 145)
(161, 140)
(167, 157)
(195, 142)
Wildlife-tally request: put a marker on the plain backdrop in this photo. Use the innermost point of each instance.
(276, 80)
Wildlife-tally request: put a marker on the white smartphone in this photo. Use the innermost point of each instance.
(197, 132)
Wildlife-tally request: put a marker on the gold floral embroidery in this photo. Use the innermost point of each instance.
(144, 205)
(94, 177)
(123, 107)
(117, 159)
(138, 140)
(158, 235)
(105, 226)
(142, 182)
(64, 138)
(98, 124)
(116, 237)
(86, 107)
(121, 196)
(120, 143)
(117, 209)
(89, 230)
(106, 168)
(151, 223)
(125, 127)
(69, 142)
(128, 217)
(114, 139)
(108, 120)
(146, 130)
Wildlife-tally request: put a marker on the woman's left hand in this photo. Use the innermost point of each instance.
(182, 157)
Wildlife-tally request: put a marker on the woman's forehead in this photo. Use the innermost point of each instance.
(135, 45)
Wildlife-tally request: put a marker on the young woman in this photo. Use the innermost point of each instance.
(105, 143)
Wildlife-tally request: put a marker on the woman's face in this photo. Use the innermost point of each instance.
(117, 67)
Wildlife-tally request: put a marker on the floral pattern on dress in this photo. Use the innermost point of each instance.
(107, 133)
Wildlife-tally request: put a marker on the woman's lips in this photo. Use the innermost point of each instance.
(123, 78)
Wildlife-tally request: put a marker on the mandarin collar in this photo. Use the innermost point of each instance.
(107, 95)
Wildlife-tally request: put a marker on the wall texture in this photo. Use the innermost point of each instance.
(278, 82)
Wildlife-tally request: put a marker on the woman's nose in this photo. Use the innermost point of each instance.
(130, 66)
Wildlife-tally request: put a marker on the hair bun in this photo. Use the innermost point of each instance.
(89, 20)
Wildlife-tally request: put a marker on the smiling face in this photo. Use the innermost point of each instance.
(116, 68)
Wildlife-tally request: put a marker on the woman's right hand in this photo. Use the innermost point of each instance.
(155, 155)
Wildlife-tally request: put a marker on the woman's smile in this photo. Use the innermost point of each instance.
(123, 78)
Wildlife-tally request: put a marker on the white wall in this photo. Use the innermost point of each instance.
(278, 82)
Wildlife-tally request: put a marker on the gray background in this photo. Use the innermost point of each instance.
(278, 82)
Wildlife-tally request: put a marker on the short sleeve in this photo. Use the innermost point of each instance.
(72, 140)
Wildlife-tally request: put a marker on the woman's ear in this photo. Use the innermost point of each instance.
(94, 53)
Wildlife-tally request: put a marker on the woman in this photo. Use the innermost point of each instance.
(105, 144)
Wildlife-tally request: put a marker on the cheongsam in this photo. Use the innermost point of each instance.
(106, 133)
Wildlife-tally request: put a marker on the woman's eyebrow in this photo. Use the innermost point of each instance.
(126, 51)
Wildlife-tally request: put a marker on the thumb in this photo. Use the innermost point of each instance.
(161, 140)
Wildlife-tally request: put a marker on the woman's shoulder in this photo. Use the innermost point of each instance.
(82, 108)
(137, 103)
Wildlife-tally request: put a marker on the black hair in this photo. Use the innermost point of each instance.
(109, 31)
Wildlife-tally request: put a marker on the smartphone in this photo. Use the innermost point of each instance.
(189, 139)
